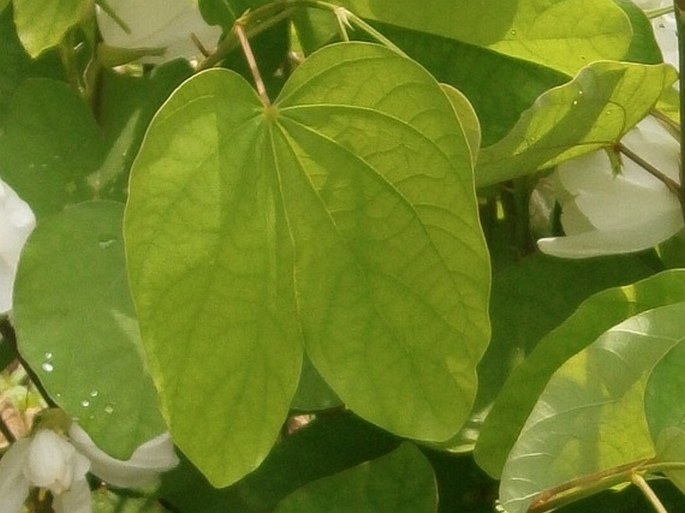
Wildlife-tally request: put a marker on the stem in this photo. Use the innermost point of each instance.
(262, 18)
(6, 431)
(660, 11)
(644, 487)
(343, 22)
(68, 58)
(679, 6)
(252, 63)
(672, 185)
(273, 12)
(584, 486)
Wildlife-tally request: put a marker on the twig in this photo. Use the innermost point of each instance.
(252, 63)
(644, 487)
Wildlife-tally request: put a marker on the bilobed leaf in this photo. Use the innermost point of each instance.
(665, 409)
(77, 329)
(590, 417)
(341, 219)
(49, 144)
(603, 102)
(561, 34)
(401, 482)
(594, 316)
(42, 25)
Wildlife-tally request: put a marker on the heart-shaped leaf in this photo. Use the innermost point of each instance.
(341, 219)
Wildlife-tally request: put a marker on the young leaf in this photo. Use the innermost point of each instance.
(401, 482)
(42, 25)
(596, 315)
(590, 417)
(602, 103)
(77, 329)
(340, 219)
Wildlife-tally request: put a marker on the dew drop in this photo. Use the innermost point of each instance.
(105, 243)
(48, 356)
(109, 409)
(513, 32)
(581, 92)
(94, 393)
(85, 403)
(574, 103)
(47, 367)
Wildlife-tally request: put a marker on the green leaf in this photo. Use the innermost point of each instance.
(340, 220)
(665, 409)
(643, 46)
(105, 501)
(77, 330)
(468, 119)
(42, 25)
(561, 34)
(500, 87)
(313, 393)
(16, 65)
(126, 107)
(603, 102)
(401, 482)
(594, 316)
(50, 144)
(590, 417)
(225, 12)
(526, 305)
(327, 445)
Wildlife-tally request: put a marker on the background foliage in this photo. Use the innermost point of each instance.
(302, 237)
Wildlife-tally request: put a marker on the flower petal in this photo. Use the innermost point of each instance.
(652, 142)
(16, 223)
(14, 486)
(153, 24)
(142, 469)
(53, 463)
(612, 242)
(76, 500)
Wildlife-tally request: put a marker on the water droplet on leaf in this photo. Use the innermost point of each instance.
(109, 409)
(105, 243)
(47, 367)
(85, 403)
(94, 393)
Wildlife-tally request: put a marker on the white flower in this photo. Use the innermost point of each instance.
(143, 467)
(603, 213)
(50, 461)
(16, 223)
(155, 24)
